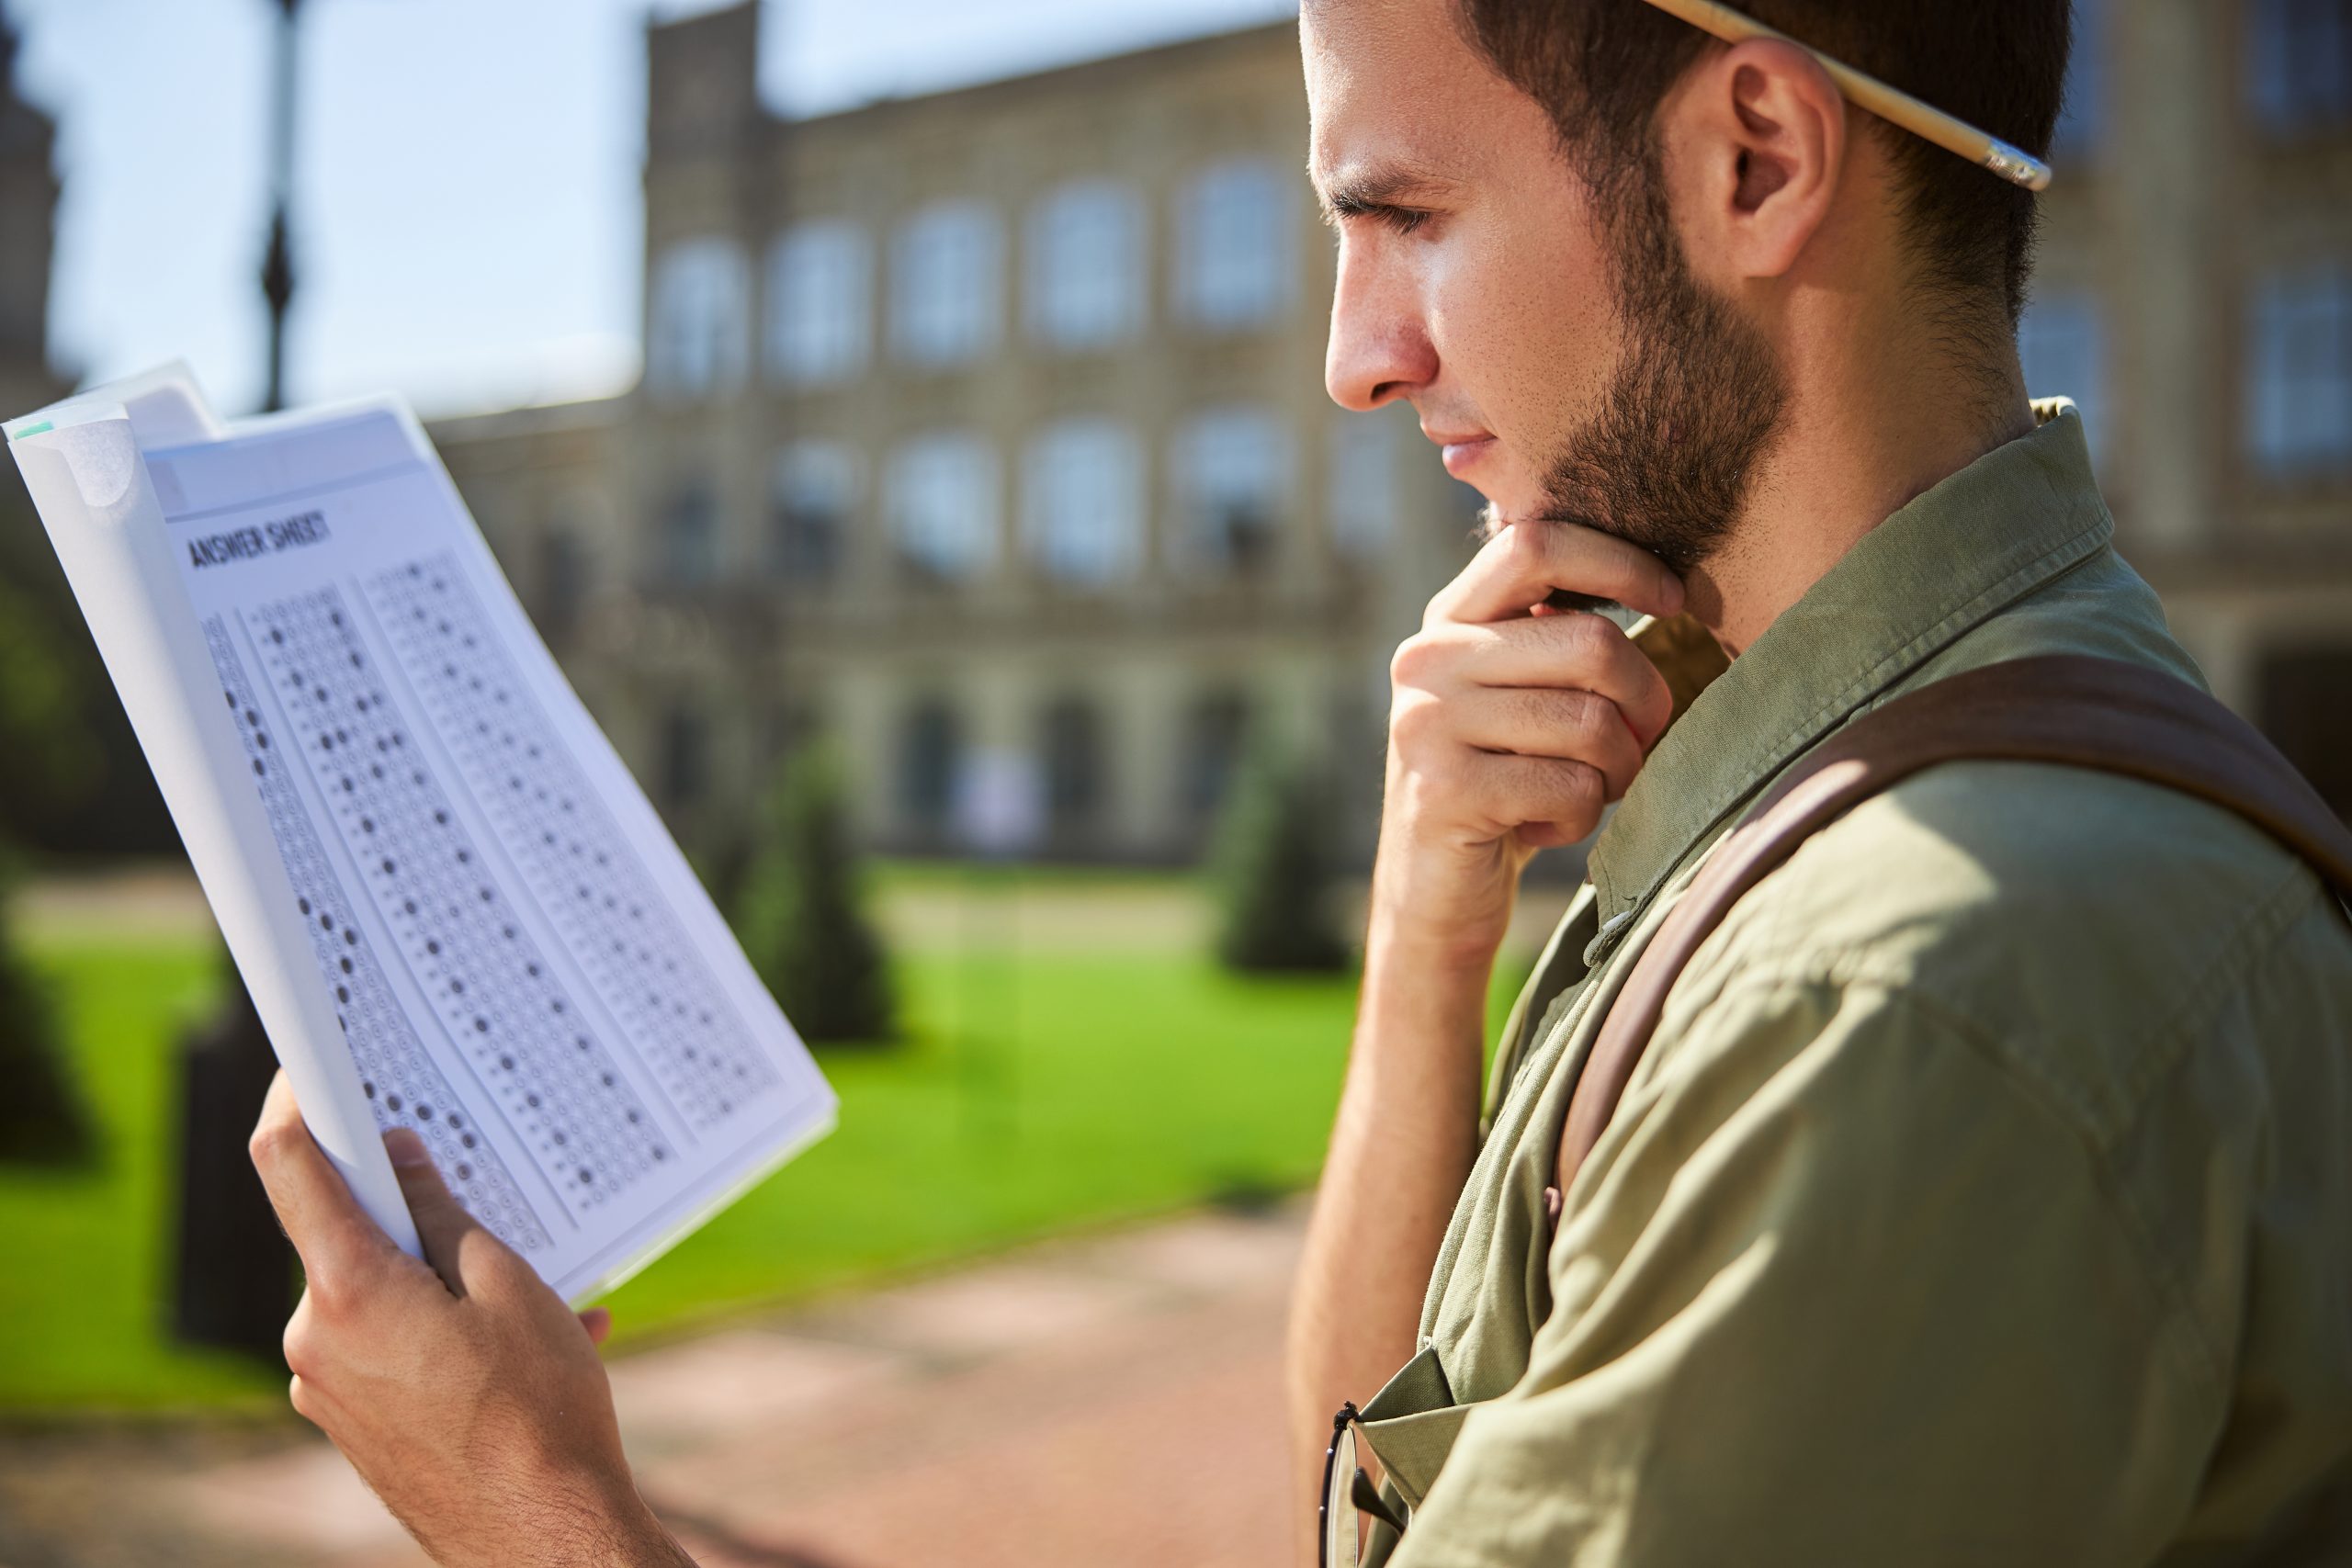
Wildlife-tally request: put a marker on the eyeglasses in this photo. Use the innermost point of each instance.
(1890, 104)
(1349, 1497)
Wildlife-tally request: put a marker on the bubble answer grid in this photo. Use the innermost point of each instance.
(574, 857)
(400, 1079)
(500, 1003)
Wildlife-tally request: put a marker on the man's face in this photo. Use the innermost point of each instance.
(1559, 351)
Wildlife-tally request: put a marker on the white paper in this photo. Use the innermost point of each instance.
(455, 908)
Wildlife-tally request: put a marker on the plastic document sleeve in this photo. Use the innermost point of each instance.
(453, 907)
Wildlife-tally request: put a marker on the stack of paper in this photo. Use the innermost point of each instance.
(455, 909)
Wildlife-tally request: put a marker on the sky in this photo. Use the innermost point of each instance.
(467, 204)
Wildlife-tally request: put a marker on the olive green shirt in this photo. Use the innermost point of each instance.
(1986, 1194)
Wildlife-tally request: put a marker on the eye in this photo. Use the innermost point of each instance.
(1403, 220)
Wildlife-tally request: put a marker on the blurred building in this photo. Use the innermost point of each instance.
(27, 232)
(2195, 296)
(985, 430)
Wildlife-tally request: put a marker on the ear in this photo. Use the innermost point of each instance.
(1758, 136)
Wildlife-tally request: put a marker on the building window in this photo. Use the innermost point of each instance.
(942, 503)
(698, 341)
(1085, 265)
(1081, 509)
(1215, 731)
(2298, 64)
(1235, 261)
(2300, 704)
(686, 757)
(819, 303)
(814, 493)
(947, 284)
(689, 547)
(930, 755)
(1233, 473)
(563, 581)
(2062, 345)
(2082, 120)
(2298, 373)
(1360, 495)
(1074, 752)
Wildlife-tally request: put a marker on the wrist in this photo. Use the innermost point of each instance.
(1443, 915)
(1432, 952)
(598, 1525)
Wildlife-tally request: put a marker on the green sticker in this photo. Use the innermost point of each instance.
(23, 431)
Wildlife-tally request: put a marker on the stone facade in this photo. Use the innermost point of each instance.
(1016, 571)
(2199, 256)
(984, 431)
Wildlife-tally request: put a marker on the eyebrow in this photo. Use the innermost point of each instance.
(1375, 189)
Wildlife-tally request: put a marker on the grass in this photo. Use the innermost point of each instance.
(82, 1292)
(1037, 1092)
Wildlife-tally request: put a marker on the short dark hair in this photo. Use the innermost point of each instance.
(1601, 67)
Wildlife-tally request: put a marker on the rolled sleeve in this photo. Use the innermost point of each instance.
(1840, 1286)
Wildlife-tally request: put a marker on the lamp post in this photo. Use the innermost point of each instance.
(235, 1282)
(277, 267)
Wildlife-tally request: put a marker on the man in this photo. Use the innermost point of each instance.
(1982, 1197)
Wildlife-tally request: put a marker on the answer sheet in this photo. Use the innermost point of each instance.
(520, 963)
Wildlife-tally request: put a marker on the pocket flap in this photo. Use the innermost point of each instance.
(1411, 1423)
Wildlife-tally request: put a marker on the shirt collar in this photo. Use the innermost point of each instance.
(1979, 541)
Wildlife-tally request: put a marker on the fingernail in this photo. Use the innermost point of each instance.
(406, 1148)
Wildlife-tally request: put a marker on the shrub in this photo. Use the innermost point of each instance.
(1272, 869)
(42, 1120)
(801, 912)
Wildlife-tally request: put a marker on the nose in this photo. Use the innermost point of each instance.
(1379, 349)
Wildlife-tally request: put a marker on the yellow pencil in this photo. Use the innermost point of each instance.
(1890, 104)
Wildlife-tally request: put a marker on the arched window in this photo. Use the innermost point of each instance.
(1236, 262)
(930, 755)
(686, 757)
(1232, 470)
(1081, 502)
(689, 538)
(947, 284)
(1215, 731)
(1075, 783)
(2299, 374)
(698, 340)
(941, 497)
(813, 494)
(1086, 265)
(821, 303)
(2062, 349)
(1360, 492)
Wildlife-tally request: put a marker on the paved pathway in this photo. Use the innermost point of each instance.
(1110, 1400)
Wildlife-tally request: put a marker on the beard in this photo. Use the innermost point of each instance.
(1695, 398)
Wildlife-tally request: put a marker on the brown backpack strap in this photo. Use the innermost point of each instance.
(2085, 712)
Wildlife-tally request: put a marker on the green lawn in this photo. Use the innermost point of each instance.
(1109, 1085)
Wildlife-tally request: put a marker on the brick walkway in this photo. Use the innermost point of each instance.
(1112, 1400)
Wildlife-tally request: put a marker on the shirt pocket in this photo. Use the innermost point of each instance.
(1411, 1423)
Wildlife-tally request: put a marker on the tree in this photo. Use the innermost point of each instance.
(801, 911)
(43, 1121)
(1272, 869)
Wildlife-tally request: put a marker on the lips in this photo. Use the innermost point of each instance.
(1463, 453)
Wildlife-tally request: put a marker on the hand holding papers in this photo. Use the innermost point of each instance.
(454, 907)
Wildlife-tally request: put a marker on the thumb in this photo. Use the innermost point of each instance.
(442, 1222)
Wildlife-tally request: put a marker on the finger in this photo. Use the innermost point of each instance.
(1526, 562)
(340, 1246)
(598, 1322)
(441, 1223)
(1586, 652)
(1534, 721)
(1515, 792)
